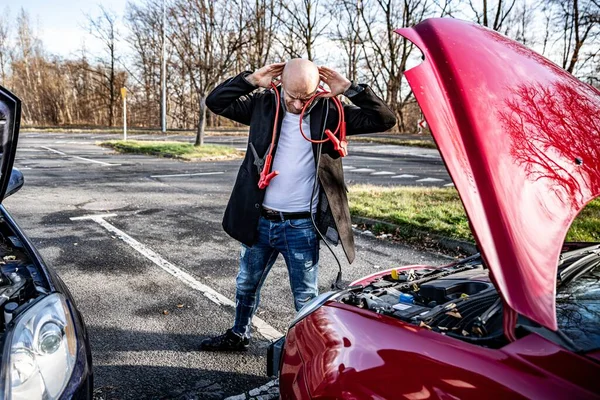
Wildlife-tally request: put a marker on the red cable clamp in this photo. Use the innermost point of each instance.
(340, 145)
(265, 175)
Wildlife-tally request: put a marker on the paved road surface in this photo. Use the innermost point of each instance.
(139, 275)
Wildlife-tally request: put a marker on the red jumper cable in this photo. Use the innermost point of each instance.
(340, 145)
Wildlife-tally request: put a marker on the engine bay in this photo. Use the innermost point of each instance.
(20, 279)
(459, 301)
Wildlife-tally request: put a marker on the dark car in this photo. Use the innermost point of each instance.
(46, 351)
(521, 139)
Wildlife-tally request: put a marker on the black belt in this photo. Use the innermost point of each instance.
(273, 215)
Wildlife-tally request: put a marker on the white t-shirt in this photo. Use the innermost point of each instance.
(290, 191)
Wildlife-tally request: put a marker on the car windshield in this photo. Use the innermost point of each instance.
(578, 297)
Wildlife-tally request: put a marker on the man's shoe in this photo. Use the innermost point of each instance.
(228, 341)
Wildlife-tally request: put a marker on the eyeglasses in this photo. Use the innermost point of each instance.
(303, 100)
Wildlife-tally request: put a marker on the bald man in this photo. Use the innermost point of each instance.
(279, 218)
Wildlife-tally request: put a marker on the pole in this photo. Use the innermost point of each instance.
(163, 75)
(124, 95)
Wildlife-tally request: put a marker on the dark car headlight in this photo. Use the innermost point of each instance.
(40, 351)
(313, 305)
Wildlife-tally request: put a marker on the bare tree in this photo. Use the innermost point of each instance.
(348, 33)
(206, 36)
(104, 28)
(4, 43)
(385, 53)
(519, 24)
(580, 22)
(145, 25)
(259, 35)
(303, 22)
(25, 66)
(490, 15)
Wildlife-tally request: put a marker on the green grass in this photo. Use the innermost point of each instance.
(439, 211)
(185, 151)
(427, 144)
(119, 131)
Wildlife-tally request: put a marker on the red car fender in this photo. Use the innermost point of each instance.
(343, 352)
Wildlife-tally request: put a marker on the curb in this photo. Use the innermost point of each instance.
(443, 241)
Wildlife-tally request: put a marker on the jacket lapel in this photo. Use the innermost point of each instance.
(317, 116)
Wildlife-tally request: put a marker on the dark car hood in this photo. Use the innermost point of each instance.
(521, 139)
(10, 119)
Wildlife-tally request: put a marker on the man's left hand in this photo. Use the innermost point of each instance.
(337, 83)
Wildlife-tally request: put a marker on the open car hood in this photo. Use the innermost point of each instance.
(10, 119)
(521, 139)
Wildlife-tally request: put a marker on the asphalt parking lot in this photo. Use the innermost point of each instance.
(138, 240)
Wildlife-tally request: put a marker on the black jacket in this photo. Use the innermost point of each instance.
(235, 100)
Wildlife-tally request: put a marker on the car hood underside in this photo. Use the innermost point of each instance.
(521, 139)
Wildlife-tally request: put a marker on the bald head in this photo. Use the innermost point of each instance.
(300, 79)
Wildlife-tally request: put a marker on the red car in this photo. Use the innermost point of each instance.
(521, 140)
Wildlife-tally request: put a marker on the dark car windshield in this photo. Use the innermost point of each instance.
(578, 301)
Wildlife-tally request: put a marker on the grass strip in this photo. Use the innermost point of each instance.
(185, 151)
(426, 144)
(440, 211)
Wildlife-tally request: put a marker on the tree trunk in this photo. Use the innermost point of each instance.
(201, 122)
(111, 108)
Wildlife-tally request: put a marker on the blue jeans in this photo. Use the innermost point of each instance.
(296, 240)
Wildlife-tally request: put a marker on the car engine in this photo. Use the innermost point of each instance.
(20, 281)
(458, 301)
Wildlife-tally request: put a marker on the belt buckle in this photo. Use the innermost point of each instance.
(273, 214)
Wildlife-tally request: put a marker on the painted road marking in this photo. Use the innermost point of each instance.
(372, 158)
(363, 170)
(266, 330)
(77, 157)
(449, 184)
(405, 176)
(383, 173)
(430, 180)
(348, 167)
(178, 175)
(85, 217)
(268, 391)
(69, 142)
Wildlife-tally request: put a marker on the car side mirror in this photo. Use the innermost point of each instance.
(15, 183)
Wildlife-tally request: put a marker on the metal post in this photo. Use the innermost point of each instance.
(124, 95)
(163, 74)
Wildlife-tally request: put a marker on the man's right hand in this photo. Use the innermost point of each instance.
(264, 76)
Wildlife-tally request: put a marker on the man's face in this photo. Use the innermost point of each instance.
(295, 100)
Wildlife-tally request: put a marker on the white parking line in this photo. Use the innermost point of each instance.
(373, 158)
(449, 184)
(178, 175)
(84, 217)
(268, 391)
(77, 157)
(383, 173)
(365, 170)
(405, 176)
(266, 330)
(429, 180)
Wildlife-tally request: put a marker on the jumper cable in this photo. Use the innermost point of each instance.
(340, 145)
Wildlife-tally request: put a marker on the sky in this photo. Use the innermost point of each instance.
(60, 23)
